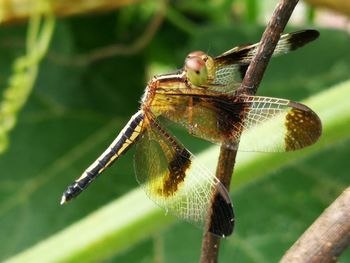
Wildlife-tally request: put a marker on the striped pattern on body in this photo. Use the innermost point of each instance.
(118, 147)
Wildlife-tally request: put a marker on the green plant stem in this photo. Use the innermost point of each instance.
(22, 80)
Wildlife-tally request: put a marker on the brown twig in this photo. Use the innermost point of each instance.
(327, 237)
(211, 243)
(250, 83)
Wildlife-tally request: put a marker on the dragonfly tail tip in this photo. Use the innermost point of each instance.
(63, 200)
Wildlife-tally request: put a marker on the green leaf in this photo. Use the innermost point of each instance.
(75, 112)
(101, 234)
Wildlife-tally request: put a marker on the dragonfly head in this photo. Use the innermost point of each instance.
(199, 68)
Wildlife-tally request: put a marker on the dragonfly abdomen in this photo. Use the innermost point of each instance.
(118, 147)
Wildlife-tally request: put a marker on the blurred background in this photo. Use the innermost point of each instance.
(71, 75)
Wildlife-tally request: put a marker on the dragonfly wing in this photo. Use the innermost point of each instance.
(258, 123)
(287, 42)
(174, 180)
(272, 124)
(232, 65)
(228, 78)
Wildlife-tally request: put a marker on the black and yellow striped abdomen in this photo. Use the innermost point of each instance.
(118, 147)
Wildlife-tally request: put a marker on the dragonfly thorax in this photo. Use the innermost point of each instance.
(150, 90)
(144, 96)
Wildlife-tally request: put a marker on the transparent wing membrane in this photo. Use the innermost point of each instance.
(258, 123)
(272, 125)
(229, 78)
(173, 179)
(288, 42)
(232, 65)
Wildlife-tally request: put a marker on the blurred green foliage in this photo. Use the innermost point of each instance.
(75, 111)
(24, 73)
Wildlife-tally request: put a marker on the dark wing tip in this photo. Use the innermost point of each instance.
(301, 38)
(222, 217)
(303, 126)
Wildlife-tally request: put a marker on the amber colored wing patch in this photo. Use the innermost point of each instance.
(258, 123)
(172, 177)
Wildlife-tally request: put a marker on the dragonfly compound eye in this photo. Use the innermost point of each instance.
(196, 70)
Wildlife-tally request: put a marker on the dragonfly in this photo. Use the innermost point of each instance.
(202, 98)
